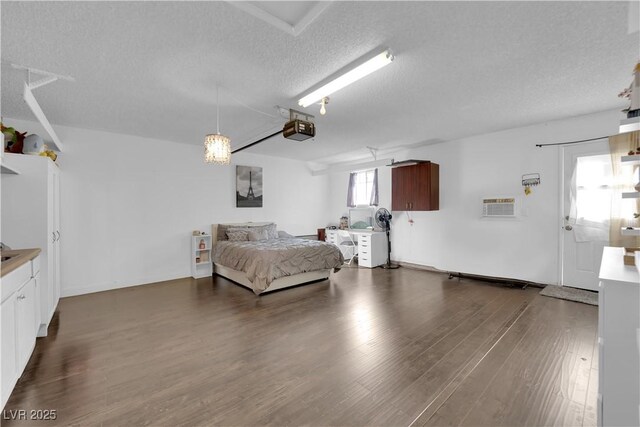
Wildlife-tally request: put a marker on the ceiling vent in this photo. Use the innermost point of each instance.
(499, 208)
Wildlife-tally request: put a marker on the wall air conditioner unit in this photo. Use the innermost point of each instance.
(499, 208)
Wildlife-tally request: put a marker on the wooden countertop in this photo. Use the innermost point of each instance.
(19, 257)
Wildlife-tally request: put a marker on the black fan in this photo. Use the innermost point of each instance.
(383, 219)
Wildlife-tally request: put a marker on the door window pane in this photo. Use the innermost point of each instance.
(594, 179)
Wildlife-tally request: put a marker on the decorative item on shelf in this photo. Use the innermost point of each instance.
(14, 140)
(344, 222)
(204, 257)
(197, 260)
(49, 153)
(203, 233)
(202, 244)
(33, 144)
(530, 180)
(196, 232)
(630, 256)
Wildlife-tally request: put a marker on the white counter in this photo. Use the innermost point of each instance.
(613, 268)
(618, 335)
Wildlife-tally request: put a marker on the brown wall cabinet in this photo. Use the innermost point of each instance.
(415, 187)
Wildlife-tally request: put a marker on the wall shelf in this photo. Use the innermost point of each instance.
(632, 160)
(626, 232)
(631, 195)
(8, 170)
(54, 142)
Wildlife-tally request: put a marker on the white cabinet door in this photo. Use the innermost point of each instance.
(8, 346)
(26, 322)
(56, 246)
(38, 311)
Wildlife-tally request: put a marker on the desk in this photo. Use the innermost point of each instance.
(371, 246)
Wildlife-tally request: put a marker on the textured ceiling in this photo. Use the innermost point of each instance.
(150, 69)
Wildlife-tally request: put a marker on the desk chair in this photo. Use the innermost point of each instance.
(347, 246)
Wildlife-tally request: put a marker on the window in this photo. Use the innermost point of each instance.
(363, 188)
(593, 191)
(364, 184)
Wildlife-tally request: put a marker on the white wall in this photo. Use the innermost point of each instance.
(456, 238)
(129, 204)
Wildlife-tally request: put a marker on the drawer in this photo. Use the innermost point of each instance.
(35, 266)
(364, 262)
(14, 280)
(363, 239)
(363, 253)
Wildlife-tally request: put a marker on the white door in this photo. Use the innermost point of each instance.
(586, 210)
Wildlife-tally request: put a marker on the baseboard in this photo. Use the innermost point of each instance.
(102, 287)
(419, 267)
(505, 280)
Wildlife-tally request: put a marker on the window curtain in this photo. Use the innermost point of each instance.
(373, 200)
(625, 178)
(351, 190)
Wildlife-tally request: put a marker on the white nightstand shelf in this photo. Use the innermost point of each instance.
(201, 265)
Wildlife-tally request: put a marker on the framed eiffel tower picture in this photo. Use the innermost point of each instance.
(248, 187)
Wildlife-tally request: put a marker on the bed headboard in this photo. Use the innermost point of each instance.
(214, 227)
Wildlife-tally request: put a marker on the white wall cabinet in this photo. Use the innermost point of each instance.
(20, 316)
(618, 327)
(31, 219)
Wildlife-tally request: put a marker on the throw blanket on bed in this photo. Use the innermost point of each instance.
(263, 261)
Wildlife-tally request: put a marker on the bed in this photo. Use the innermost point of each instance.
(278, 262)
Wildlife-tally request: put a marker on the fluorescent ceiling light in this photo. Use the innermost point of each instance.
(364, 69)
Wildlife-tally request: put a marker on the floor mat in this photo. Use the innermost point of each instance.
(571, 294)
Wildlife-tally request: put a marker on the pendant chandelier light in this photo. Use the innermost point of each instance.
(217, 148)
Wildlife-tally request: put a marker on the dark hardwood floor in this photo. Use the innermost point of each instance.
(368, 347)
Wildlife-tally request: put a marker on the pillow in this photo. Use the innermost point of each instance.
(223, 228)
(284, 235)
(222, 232)
(237, 236)
(259, 234)
(271, 229)
(234, 229)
